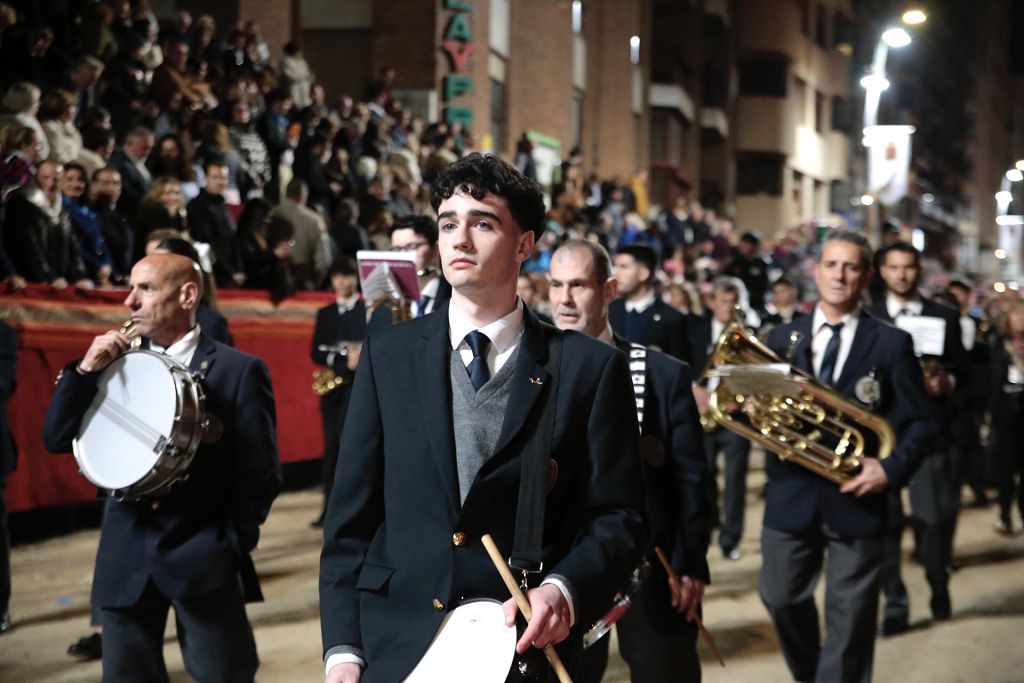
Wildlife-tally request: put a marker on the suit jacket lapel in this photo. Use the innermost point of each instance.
(528, 380)
(202, 359)
(432, 374)
(863, 341)
(802, 352)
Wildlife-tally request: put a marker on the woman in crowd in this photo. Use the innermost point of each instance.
(171, 158)
(1006, 404)
(265, 243)
(20, 106)
(57, 117)
(86, 228)
(162, 207)
(18, 147)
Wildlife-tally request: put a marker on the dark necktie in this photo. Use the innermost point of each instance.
(828, 361)
(477, 368)
(421, 306)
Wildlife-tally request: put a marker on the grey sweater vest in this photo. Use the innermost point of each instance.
(477, 417)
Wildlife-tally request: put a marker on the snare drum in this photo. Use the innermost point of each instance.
(143, 428)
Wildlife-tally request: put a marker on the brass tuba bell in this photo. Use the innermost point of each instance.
(791, 413)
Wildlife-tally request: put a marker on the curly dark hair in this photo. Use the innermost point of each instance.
(478, 175)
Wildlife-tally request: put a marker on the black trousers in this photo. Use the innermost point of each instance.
(736, 452)
(1008, 456)
(332, 412)
(790, 571)
(5, 554)
(652, 656)
(216, 639)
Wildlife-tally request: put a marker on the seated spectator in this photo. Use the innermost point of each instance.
(95, 35)
(126, 82)
(294, 75)
(173, 76)
(130, 162)
(310, 168)
(85, 225)
(347, 235)
(81, 82)
(171, 158)
(97, 146)
(18, 145)
(215, 146)
(117, 232)
(37, 235)
(57, 113)
(162, 207)
(211, 222)
(310, 253)
(249, 145)
(266, 252)
(20, 106)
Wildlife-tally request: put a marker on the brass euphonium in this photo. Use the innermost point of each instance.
(791, 413)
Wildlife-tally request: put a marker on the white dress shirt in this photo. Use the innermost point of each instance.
(429, 289)
(820, 335)
(504, 334)
(640, 305)
(894, 307)
(181, 350)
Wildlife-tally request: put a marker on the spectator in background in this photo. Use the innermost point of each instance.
(310, 252)
(130, 162)
(20, 106)
(173, 77)
(255, 161)
(309, 167)
(31, 59)
(171, 158)
(18, 145)
(86, 227)
(117, 232)
(347, 235)
(783, 305)
(215, 147)
(126, 82)
(97, 147)
(162, 207)
(37, 235)
(95, 35)
(751, 268)
(81, 82)
(272, 126)
(57, 117)
(265, 244)
(698, 224)
(637, 231)
(294, 75)
(211, 222)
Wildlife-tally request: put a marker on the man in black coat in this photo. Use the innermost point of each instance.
(639, 315)
(8, 461)
(658, 635)
(340, 328)
(934, 497)
(130, 161)
(211, 222)
(810, 523)
(422, 481)
(188, 548)
(117, 232)
(751, 268)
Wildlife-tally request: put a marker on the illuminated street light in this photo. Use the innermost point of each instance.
(1014, 175)
(874, 83)
(1020, 165)
(1009, 220)
(896, 37)
(914, 17)
(999, 254)
(867, 200)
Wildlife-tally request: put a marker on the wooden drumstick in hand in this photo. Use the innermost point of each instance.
(524, 604)
(677, 587)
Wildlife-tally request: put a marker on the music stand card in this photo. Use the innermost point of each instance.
(391, 273)
(928, 332)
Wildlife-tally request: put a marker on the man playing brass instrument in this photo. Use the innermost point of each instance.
(810, 524)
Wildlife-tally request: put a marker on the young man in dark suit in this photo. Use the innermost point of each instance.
(188, 548)
(810, 523)
(658, 635)
(639, 315)
(934, 496)
(340, 327)
(444, 412)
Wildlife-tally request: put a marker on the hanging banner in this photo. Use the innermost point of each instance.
(888, 162)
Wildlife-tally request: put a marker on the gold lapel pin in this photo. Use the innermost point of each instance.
(536, 380)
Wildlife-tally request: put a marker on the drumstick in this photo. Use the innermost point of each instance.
(676, 586)
(524, 604)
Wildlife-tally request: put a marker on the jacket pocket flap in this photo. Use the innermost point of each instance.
(373, 577)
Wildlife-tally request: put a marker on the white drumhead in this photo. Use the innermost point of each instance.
(136, 405)
(473, 645)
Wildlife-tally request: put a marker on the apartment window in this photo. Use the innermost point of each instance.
(763, 74)
(805, 17)
(759, 173)
(497, 114)
(821, 27)
(840, 114)
(800, 98)
(820, 104)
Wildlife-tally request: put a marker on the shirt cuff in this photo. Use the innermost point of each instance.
(330, 359)
(562, 584)
(343, 654)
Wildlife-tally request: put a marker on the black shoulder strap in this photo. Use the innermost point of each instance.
(529, 534)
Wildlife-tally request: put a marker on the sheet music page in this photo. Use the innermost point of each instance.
(929, 333)
(388, 272)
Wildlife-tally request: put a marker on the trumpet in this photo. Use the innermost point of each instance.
(327, 380)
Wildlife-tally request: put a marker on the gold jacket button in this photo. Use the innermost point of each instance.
(438, 605)
(458, 538)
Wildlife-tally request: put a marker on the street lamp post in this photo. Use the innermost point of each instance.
(1010, 225)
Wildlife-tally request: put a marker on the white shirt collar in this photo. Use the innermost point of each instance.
(893, 305)
(503, 332)
(183, 349)
(430, 289)
(819, 319)
(347, 304)
(640, 305)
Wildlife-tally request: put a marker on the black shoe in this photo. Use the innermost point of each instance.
(87, 648)
(892, 626)
(5, 621)
(942, 609)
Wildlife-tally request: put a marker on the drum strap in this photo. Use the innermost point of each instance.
(529, 534)
(638, 374)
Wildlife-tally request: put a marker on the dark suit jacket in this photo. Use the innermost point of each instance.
(211, 222)
(388, 550)
(798, 500)
(667, 333)
(675, 471)
(134, 185)
(200, 536)
(8, 383)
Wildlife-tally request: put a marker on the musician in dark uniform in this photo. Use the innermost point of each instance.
(639, 315)
(735, 449)
(337, 324)
(934, 500)
(445, 411)
(188, 548)
(811, 524)
(658, 635)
